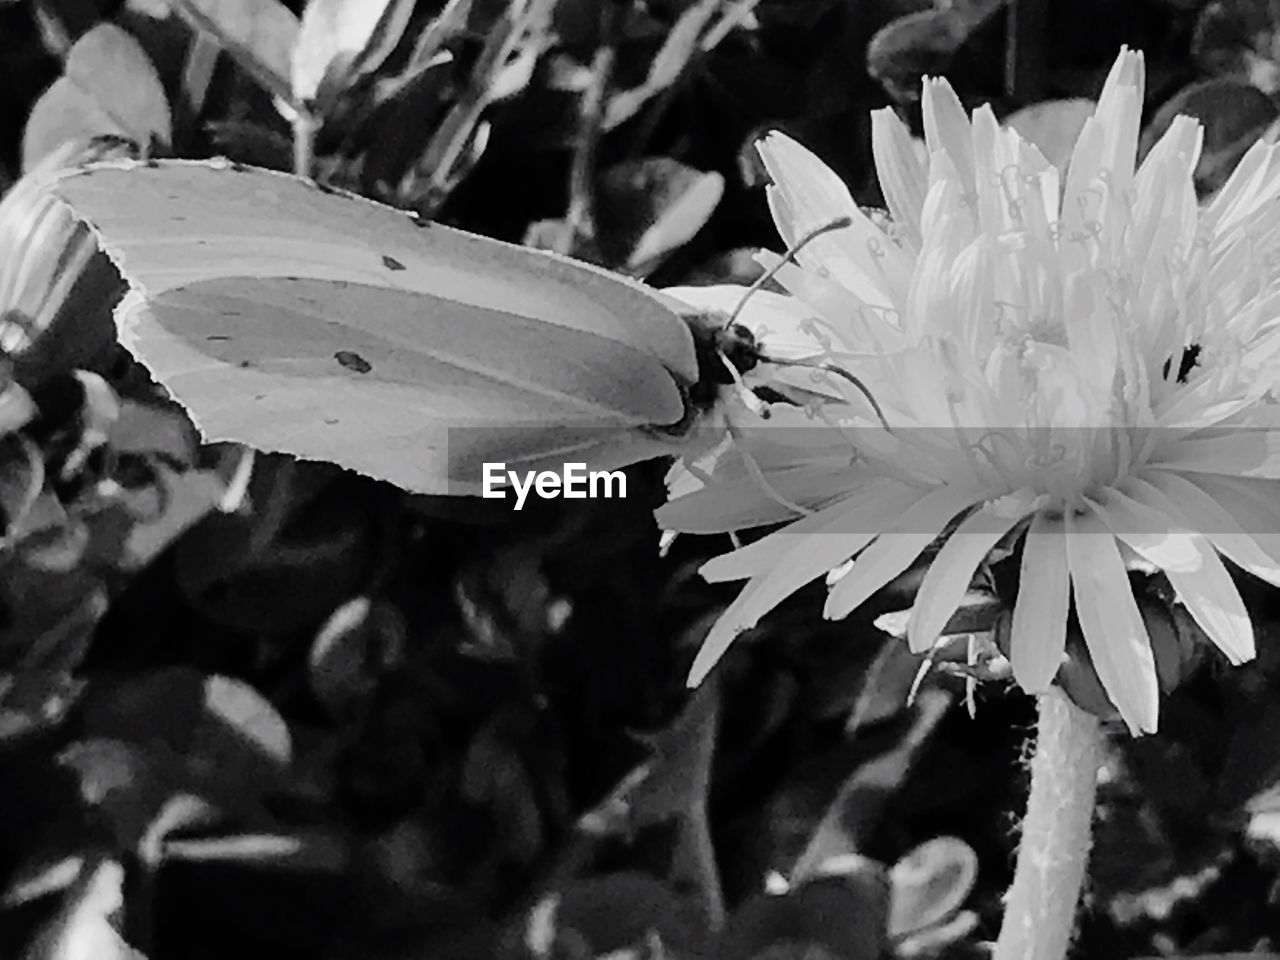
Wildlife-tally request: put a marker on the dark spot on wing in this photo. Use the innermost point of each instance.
(219, 337)
(325, 188)
(418, 219)
(245, 365)
(239, 167)
(391, 263)
(331, 421)
(353, 361)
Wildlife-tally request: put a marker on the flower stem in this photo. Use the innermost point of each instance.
(1040, 908)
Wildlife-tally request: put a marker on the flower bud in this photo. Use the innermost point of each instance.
(1177, 646)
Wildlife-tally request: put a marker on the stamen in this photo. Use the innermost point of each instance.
(984, 447)
(753, 468)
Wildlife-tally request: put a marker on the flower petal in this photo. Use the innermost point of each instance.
(1038, 636)
(1111, 622)
(809, 557)
(807, 194)
(727, 505)
(854, 516)
(1253, 184)
(949, 575)
(1248, 453)
(903, 540)
(1258, 552)
(1120, 110)
(947, 129)
(903, 178)
(1192, 566)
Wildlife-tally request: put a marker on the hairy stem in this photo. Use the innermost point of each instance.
(1040, 908)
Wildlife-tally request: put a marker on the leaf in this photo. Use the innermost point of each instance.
(360, 640)
(1239, 39)
(656, 205)
(49, 617)
(182, 500)
(613, 911)
(496, 776)
(514, 43)
(305, 852)
(341, 41)
(930, 884)
(35, 700)
(125, 783)
(108, 87)
(56, 288)
(1053, 126)
(680, 768)
(47, 875)
(234, 707)
(258, 34)
(681, 45)
(231, 742)
(1234, 114)
(83, 928)
(914, 45)
(153, 429)
(848, 822)
(845, 916)
(22, 477)
(249, 142)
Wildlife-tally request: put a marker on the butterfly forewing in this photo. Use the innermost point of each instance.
(321, 324)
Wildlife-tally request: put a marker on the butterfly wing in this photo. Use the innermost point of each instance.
(316, 323)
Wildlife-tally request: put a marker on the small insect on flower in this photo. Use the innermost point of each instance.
(1076, 369)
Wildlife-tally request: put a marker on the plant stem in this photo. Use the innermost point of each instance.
(1040, 908)
(304, 142)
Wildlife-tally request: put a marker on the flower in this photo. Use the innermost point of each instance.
(1079, 364)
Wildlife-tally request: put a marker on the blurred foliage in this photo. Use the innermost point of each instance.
(260, 708)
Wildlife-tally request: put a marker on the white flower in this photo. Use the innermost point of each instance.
(1082, 365)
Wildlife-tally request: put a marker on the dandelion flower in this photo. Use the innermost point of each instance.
(1080, 363)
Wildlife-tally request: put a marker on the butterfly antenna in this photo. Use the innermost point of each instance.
(828, 367)
(803, 241)
(744, 391)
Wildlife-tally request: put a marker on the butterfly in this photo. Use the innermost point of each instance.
(302, 319)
